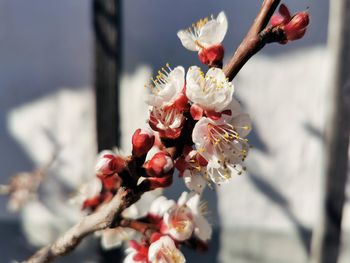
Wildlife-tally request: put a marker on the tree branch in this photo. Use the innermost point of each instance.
(99, 220)
(257, 37)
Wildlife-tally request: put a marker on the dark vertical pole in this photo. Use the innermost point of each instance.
(328, 238)
(107, 28)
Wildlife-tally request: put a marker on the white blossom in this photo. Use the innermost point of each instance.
(166, 87)
(205, 33)
(202, 228)
(185, 218)
(164, 251)
(222, 143)
(212, 92)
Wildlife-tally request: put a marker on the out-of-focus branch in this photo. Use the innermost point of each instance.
(99, 220)
(257, 37)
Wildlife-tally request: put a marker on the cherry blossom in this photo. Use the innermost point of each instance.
(202, 228)
(167, 87)
(211, 92)
(185, 218)
(167, 121)
(222, 143)
(206, 36)
(164, 250)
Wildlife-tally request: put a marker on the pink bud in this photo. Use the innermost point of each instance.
(297, 26)
(142, 142)
(282, 18)
(211, 55)
(159, 165)
(109, 164)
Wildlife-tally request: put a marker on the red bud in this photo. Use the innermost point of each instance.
(142, 142)
(109, 164)
(159, 165)
(297, 26)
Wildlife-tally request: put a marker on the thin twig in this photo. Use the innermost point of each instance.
(257, 37)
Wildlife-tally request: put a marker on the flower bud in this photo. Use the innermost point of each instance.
(142, 142)
(212, 55)
(297, 26)
(159, 165)
(109, 164)
(283, 16)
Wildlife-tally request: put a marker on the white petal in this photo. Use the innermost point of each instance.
(187, 40)
(193, 202)
(243, 124)
(161, 205)
(194, 182)
(214, 31)
(177, 75)
(203, 229)
(216, 73)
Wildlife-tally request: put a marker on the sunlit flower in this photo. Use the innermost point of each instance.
(222, 143)
(166, 89)
(206, 36)
(185, 218)
(202, 228)
(178, 223)
(164, 250)
(211, 92)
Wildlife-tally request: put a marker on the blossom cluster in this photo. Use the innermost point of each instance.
(195, 127)
(173, 224)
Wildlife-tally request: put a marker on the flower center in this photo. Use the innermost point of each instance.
(226, 140)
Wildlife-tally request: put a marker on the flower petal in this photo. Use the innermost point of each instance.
(188, 40)
(214, 31)
(194, 182)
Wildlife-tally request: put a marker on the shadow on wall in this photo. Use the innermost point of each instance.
(40, 52)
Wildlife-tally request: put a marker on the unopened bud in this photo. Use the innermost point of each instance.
(212, 55)
(159, 165)
(109, 164)
(142, 142)
(297, 26)
(283, 16)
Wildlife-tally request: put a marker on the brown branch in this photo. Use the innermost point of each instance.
(257, 37)
(99, 220)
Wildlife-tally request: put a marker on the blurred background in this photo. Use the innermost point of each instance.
(49, 61)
